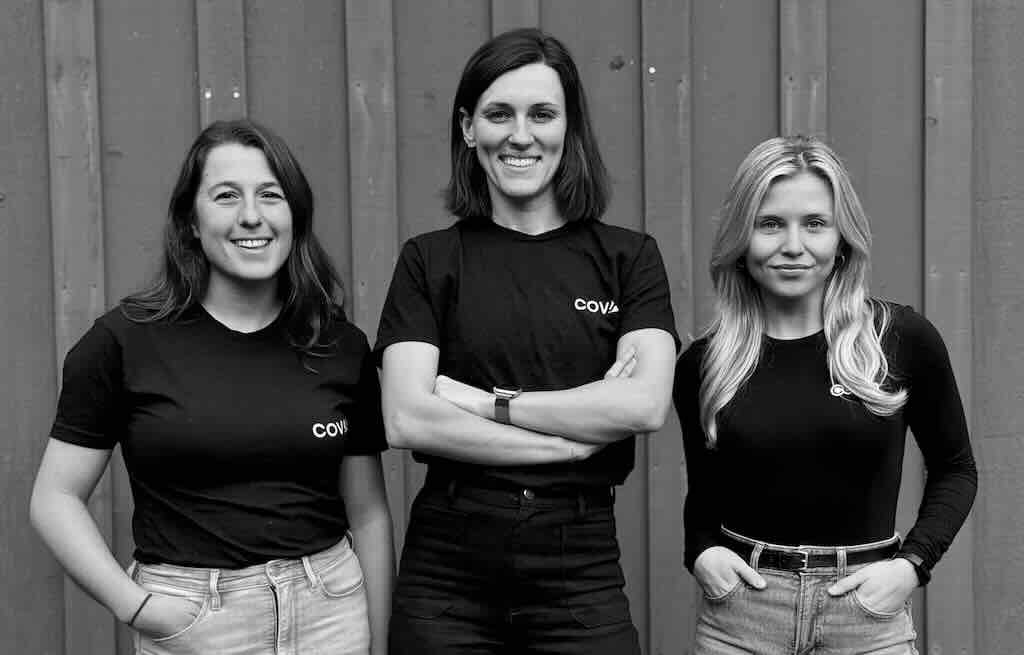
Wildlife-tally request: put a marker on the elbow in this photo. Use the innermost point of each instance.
(400, 429)
(650, 414)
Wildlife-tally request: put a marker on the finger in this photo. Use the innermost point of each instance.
(750, 576)
(845, 585)
(628, 366)
(616, 369)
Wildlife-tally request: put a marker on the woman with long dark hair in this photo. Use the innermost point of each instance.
(247, 409)
(795, 406)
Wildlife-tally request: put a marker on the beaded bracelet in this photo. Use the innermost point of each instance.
(141, 605)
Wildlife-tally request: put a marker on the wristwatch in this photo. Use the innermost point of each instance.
(923, 574)
(503, 393)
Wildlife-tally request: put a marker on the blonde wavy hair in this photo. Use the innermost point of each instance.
(854, 323)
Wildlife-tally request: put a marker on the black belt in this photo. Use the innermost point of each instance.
(800, 559)
(506, 490)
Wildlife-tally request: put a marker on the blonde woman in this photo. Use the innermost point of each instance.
(795, 406)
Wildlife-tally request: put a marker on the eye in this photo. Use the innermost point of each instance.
(769, 224)
(816, 223)
(544, 115)
(498, 115)
(271, 195)
(225, 196)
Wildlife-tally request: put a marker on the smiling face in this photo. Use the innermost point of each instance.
(518, 129)
(795, 240)
(243, 221)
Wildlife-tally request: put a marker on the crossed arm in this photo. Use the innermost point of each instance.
(437, 415)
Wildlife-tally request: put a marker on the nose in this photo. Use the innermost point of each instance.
(794, 244)
(249, 213)
(521, 135)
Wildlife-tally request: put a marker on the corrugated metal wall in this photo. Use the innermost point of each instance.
(100, 98)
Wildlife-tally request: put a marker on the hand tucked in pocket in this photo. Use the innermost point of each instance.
(166, 615)
(882, 586)
(719, 569)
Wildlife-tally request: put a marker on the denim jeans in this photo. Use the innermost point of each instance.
(309, 606)
(795, 615)
(491, 571)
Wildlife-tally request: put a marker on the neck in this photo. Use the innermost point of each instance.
(532, 216)
(792, 320)
(241, 307)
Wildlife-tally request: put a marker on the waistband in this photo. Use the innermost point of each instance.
(801, 558)
(499, 492)
(216, 581)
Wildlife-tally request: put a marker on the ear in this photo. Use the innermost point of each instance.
(467, 127)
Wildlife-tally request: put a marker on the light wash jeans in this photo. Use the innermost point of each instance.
(795, 615)
(309, 606)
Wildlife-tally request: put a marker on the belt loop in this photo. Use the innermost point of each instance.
(214, 593)
(841, 562)
(452, 488)
(307, 566)
(755, 555)
(581, 505)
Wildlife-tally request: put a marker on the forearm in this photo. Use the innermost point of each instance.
(374, 546)
(65, 525)
(432, 425)
(599, 412)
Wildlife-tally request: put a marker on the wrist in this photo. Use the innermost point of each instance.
(921, 573)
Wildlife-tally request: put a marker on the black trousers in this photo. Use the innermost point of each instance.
(492, 571)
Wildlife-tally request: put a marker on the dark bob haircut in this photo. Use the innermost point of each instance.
(307, 283)
(581, 182)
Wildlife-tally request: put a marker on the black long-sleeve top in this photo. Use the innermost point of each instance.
(796, 465)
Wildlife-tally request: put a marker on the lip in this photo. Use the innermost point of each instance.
(792, 267)
(506, 158)
(252, 243)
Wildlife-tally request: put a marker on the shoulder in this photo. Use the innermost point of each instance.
(690, 361)
(906, 326)
(623, 237)
(347, 336)
(441, 238)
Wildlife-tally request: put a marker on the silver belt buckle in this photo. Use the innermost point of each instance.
(807, 557)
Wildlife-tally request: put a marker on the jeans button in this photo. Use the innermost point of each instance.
(528, 494)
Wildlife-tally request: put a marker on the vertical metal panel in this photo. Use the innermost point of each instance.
(31, 604)
(146, 56)
(77, 215)
(947, 256)
(803, 64)
(665, 68)
(509, 14)
(220, 49)
(998, 287)
(297, 76)
(735, 106)
(603, 36)
(373, 188)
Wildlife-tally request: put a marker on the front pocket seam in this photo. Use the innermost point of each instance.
(203, 611)
(873, 613)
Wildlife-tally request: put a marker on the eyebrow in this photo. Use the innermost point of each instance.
(499, 104)
(235, 185)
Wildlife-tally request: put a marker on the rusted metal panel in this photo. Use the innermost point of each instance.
(803, 67)
(665, 68)
(220, 51)
(76, 210)
(509, 14)
(32, 601)
(948, 228)
(998, 324)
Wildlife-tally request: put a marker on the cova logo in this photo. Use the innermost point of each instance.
(596, 306)
(332, 429)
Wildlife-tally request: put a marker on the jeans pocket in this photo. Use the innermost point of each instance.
(871, 612)
(160, 587)
(341, 577)
(724, 596)
(421, 607)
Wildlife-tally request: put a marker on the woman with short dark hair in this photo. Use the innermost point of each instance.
(248, 412)
(523, 348)
(795, 406)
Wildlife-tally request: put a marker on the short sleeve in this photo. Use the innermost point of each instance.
(408, 314)
(367, 436)
(646, 299)
(90, 410)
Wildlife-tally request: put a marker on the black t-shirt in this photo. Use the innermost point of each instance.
(541, 312)
(232, 441)
(796, 465)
